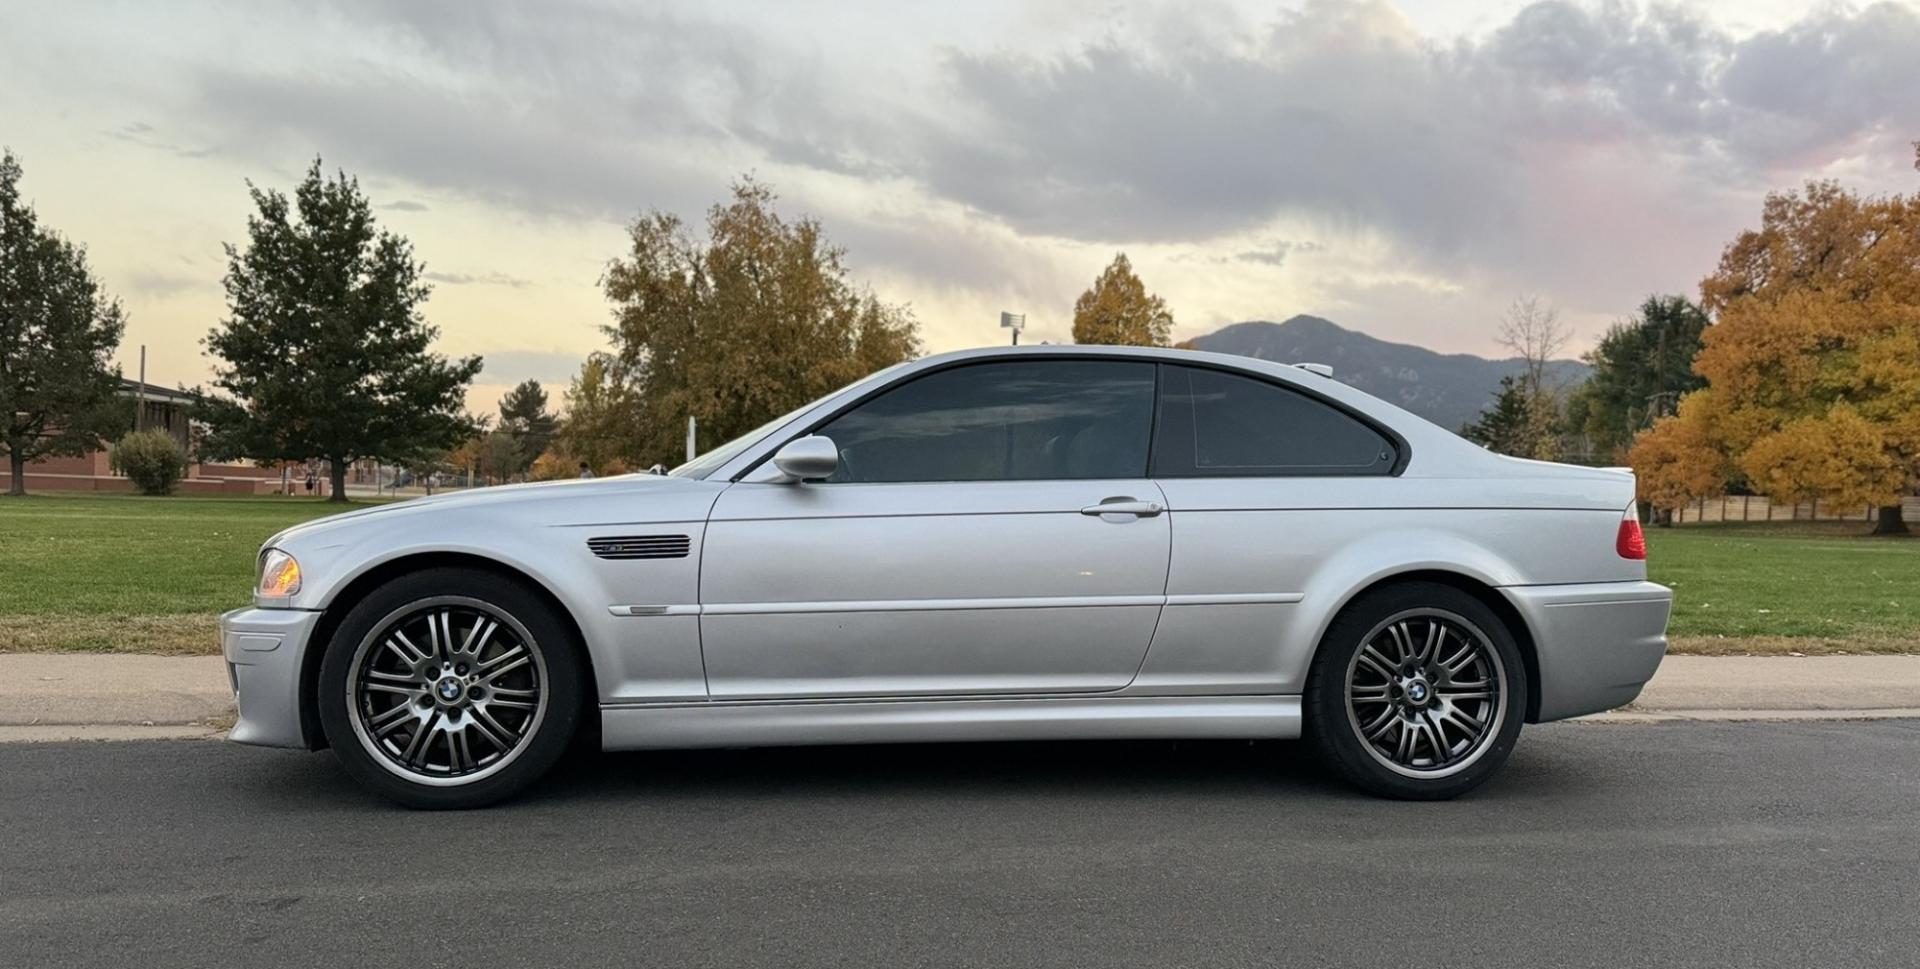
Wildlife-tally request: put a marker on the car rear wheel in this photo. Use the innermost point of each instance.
(1417, 691)
(450, 688)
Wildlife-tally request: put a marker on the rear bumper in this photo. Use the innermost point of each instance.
(1597, 643)
(264, 648)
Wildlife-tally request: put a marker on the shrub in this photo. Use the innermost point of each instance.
(153, 460)
(555, 465)
(552, 466)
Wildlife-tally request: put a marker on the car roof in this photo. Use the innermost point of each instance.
(1313, 383)
(1165, 354)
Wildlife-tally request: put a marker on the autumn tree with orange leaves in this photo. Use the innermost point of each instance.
(733, 327)
(1812, 364)
(1118, 311)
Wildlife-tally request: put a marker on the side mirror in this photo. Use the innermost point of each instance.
(811, 458)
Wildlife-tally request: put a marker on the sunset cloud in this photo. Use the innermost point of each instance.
(971, 159)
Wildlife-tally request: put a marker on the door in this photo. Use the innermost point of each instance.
(1265, 485)
(990, 530)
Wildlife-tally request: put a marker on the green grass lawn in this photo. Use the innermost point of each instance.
(1815, 587)
(125, 573)
(129, 573)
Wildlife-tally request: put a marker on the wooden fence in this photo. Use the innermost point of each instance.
(1755, 508)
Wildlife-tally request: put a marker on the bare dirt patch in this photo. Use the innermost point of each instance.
(181, 635)
(1793, 645)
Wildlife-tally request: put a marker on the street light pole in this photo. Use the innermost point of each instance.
(1015, 322)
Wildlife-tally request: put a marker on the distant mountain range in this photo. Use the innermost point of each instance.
(1448, 389)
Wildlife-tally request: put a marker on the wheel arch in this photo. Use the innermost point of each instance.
(354, 590)
(1481, 591)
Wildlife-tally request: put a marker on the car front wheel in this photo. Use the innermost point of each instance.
(1417, 691)
(450, 688)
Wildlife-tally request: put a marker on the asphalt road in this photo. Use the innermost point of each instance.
(1682, 844)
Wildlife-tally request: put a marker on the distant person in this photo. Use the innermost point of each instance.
(585, 472)
(313, 481)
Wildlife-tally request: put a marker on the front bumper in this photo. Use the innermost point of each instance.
(1598, 643)
(264, 649)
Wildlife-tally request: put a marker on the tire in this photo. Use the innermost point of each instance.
(451, 688)
(1380, 673)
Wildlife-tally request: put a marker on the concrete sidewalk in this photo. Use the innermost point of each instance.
(59, 696)
(1777, 688)
(86, 696)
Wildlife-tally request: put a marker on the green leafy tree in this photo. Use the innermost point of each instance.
(524, 417)
(602, 414)
(1509, 425)
(325, 352)
(427, 466)
(1118, 310)
(59, 392)
(500, 455)
(1641, 369)
(496, 455)
(734, 329)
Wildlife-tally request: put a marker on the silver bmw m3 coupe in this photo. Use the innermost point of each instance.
(1008, 544)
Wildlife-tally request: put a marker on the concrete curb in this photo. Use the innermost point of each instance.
(60, 732)
(1631, 715)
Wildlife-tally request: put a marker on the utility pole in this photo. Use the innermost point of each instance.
(693, 424)
(140, 401)
(1015, 322)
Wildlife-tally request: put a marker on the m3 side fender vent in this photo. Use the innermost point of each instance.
(640, 546)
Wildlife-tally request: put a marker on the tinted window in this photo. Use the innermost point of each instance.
(1215, 424)
(1029, 420)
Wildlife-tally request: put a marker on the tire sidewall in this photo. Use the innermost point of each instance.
(1333, 734)
(554, 638)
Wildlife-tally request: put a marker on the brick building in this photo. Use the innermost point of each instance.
(167, 410)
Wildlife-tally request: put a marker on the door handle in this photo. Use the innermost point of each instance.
(1124, 506)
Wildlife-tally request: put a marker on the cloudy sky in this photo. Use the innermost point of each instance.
(1402, 169)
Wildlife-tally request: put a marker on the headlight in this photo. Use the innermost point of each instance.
(279, 575)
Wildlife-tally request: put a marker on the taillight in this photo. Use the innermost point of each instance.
(1630, 542)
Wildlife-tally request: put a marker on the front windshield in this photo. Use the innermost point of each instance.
(711, 461)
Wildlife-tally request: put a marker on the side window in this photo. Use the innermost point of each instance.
(1215, 424)
(1026, 420)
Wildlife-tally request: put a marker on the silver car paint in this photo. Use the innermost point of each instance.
(727, 724)
(994, 587)
(953, 600)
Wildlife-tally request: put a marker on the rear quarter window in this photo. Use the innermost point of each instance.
(1217, 424)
